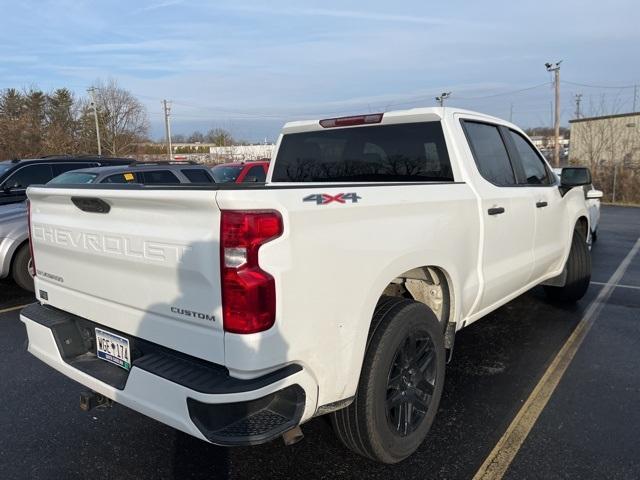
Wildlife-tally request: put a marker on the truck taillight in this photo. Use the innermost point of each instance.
(248, 292)
(32, 265)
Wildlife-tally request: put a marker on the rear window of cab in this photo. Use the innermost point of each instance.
(409, 152)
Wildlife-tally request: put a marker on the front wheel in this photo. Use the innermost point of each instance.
(400, 383)
(578, 272)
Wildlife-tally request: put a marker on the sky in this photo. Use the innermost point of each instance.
(250, 66)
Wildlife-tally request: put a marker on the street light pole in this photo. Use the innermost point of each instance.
(440, 99)
(555, 68)
(95, 116)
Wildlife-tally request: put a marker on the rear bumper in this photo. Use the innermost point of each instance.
(196, 397)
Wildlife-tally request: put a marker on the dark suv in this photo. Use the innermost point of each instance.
(17, 175)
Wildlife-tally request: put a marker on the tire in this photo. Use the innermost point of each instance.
(406, 354)
(578, 273)
(20, 268)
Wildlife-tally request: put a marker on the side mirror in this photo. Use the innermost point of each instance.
(592, 194)
(575, 177)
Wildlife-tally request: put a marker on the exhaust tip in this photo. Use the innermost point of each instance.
(293, 436)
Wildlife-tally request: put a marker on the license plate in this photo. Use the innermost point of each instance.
(113, 348)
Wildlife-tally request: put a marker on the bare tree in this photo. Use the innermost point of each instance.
(123, 119)
(220, 137)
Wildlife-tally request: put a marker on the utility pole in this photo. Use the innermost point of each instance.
(443, 96)
(167, 128)
(95, 116)
(578, 100)
(635, 97)
(555, 68)
(511, 112)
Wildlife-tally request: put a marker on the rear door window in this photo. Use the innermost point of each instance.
(408, 152)
(197, 175)
(158, 177)
(490, 153)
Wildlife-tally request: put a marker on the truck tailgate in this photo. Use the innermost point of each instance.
(149, 267)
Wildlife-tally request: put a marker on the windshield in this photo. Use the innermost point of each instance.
(226, 173)
(74, 178)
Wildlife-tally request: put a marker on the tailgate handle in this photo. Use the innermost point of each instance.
(92, 205)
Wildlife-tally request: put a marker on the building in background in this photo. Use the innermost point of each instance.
(610, 146)
(206, 152)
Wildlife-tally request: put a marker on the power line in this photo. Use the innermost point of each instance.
(598, 86)
(512, 92)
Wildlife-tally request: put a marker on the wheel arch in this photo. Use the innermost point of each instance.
(448, 274)
(582, 224)
(8, 253)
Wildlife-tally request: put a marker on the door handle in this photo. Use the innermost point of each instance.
(541, 204)
(495, 211)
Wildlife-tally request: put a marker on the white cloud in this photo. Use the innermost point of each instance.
(352, 14)
(157, 6)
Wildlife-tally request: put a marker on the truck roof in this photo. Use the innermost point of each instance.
(420, 114)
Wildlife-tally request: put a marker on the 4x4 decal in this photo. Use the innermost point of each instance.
(325, 198)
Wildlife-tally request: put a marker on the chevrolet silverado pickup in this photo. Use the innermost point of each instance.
(238, 312)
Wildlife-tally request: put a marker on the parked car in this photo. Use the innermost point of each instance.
(337, 287)
(17, 175)
(14, 244)
(250, 172)
(162, 173)
(592, 198)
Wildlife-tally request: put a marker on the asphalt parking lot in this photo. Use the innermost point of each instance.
(588, 428)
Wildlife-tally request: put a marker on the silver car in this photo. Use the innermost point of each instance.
(14, 244)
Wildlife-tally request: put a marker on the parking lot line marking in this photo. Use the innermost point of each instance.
(11, 309)
(498, 461)
(619, 285)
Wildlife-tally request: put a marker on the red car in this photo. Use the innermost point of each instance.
(249, 172)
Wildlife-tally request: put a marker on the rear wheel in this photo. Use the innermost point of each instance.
(400, 383)
(578, 272)
(20, 268)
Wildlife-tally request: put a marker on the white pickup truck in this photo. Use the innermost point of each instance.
(236, 313)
